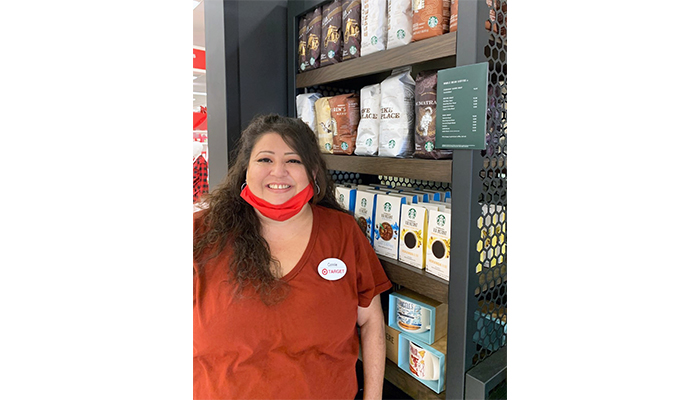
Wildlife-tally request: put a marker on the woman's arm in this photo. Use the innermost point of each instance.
(371, 322)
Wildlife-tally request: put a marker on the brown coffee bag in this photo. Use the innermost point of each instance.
(313, 39)
(430, 18)
(454, 5)
(345, 112)
(426, 115)
(331, 50)
(301, 53)
(351, 29)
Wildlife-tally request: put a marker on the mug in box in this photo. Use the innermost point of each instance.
(422, 363)
(412, 317)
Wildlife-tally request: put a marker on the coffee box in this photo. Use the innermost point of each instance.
(386, 224)
(437, 252)
(392, 344)
(414, 226)
(364, 212)
(346, 197)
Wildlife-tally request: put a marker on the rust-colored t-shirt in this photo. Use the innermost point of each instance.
(304, 347)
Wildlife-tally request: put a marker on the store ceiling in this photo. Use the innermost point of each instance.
(199, 79)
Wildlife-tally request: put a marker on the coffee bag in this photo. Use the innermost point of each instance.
(373, 26)
(313, 38)
(367, 141)
(345, 114)
(332, 18)
(454, 14)
(397, 114)
(306, 110)
(324, 125)
(301, 53)
(430, 18)
(351, 29)
(426, 115)
(399, 23)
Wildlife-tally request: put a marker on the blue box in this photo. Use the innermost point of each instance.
(436, 386)
(438, 315)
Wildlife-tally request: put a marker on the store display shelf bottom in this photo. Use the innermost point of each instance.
(408, 384)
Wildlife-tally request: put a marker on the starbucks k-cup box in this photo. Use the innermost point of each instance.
(437, 251)
(414, 225)
(386, 224)
(364, 212)
(346, 197)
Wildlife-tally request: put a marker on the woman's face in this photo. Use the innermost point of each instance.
(275, 171)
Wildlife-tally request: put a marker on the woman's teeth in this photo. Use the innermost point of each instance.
(278, 186)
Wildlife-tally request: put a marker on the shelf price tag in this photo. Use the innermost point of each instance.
(462, 95)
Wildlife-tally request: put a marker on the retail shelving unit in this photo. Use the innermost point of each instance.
(476, 290)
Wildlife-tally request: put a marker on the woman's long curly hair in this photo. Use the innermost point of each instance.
(231, 221)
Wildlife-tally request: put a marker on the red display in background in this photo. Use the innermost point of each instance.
(200, 121)
(199, 59)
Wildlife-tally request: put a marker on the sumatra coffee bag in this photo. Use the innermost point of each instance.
(345, 113)
(306, 110)
(426, 114)
(351, 29)
(399, 23)
(301, 53)
(324, 125)
(313, 39)
(368, 129)
(430, 18)
(331, 50)
(397, 113)
(373, 26)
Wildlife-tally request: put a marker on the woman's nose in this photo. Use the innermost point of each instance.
(279, 169)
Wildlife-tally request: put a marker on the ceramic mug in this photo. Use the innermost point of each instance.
(422, 363)
(411, 317)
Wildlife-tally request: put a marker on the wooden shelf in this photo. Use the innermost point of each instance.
(417, 52)
(416, 279)
(408, 384)
(414, 168)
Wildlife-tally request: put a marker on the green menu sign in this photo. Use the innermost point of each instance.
(462, 95)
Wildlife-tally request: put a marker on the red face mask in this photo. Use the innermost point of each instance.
(279, 212)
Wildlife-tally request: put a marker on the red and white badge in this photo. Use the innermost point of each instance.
(332, 269)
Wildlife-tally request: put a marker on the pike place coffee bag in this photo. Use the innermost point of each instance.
(373, 26)
(368, 129)
(430, 18)
(399, 23)
(426, 115)
(351, 29)
(324, 125)
(397, 114)
(313, 39)
(345, 114)
(301, 52)
(331, 50)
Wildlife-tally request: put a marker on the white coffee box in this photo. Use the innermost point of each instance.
(437, 251)
(346, 197)
(414, 226)
(364, 211)
(387, 217)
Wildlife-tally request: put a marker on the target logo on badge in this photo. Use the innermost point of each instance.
(332, 269)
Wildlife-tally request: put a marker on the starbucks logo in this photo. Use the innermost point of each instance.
(429, 146)
(412, 213)
(432, 22)
(400, 34)
(387, 207)
(441, 220)
(328, 146)
(364, 202)
(392, 143)
(373, 40)
(342, 199)
(312, 61)
(331, 54)
(343, 145)
(353, 50)
(368, 142)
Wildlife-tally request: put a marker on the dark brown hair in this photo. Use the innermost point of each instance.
(231, 221)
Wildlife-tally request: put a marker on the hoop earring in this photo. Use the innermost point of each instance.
(318, 189)
(243, 185)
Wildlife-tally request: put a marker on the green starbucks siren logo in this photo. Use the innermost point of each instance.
(373, 40)
(312, 61)
(387, 207)
(353, 50)
(400, 34)
(441, 220)
(392, 143)
(429, 146)
(342, 199)
(432, 22)
(363, 202)
(331, 53)
(368, 142)
(412, 213)
(328, 146)
(343, 145)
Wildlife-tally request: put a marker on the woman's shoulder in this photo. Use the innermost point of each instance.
(334, 215)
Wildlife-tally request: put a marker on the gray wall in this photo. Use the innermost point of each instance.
(246, 44)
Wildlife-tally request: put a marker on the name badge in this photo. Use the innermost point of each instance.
(332, 269)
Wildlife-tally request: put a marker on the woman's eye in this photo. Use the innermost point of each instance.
(293, 161)
(264, 160)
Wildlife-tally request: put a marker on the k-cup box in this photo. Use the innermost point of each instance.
(437, 251)
(346, 197)
(364, 212)
(433, 206)
(364, 187)
(414, 225)
(387, 217)
(442, 193)
(431, 196)
(411, 198)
